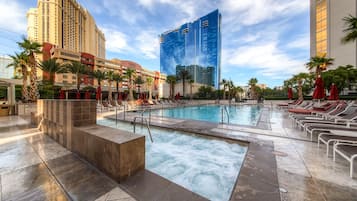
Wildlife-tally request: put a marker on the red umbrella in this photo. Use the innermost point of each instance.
(120, 97)
(290, 93)
(333, 92)
(87, 95)
(78, 95)
(99, 93)
(319, 92)
(62, 95)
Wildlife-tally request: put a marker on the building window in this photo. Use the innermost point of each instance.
(205, 23)
(321, 27)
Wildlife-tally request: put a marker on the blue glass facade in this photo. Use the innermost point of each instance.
(196, 47)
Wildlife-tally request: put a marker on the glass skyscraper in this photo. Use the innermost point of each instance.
(195, 47)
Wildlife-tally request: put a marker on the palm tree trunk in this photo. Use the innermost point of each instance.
(33, 78)
(110, 91)
(78, 83)
(150, 96)
(224, 92)
(24, 90)
(131, 97)
(183, 87)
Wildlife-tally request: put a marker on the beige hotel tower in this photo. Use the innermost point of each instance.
(326, 30)
(68, 33)
(67, 25)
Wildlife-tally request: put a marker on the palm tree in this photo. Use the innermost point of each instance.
(130, 74)
(30, 49)
(230, 86)
(252, 83)
(51, 66)
(110, 77)
(149, 82)
(224, 83)
(238, 91)
(320, 64)
(77, 69)
(191, 86)
(139, 81)
(99, 75)
(183, 75)
(351, 30)
(171, 80)
(117, 78)
(19, 61)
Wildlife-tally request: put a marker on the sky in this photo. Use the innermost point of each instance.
(265, 39)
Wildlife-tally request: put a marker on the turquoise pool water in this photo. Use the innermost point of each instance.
(206, 166)
(244, 115)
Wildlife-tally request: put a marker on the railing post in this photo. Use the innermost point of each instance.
(222, 115)
(149, 116)
(116, 115)
(124, 112)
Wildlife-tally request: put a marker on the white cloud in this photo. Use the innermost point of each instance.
(265, 58)
(148, 44)
(116, 41)
(256, 11)
(13, 16)
(301, 42)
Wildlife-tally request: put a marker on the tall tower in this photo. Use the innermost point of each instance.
(326, 30)
(67, 25)
(195, 47)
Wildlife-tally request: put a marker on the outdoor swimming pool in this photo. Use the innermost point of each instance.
(206, 166)
(244, 115)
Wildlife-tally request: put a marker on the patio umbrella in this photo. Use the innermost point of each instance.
(290, 93)
(319, 92)
(98, 95)
(78, 95)
(333, 92)
(120, 96)
(62, 95)
(87, 95)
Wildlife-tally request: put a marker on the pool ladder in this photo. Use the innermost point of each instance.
(142, 122)
(224, 110)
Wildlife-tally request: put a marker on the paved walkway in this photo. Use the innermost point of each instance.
(34, 167)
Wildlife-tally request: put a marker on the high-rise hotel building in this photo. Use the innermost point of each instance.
(67, 25)
(326, 30)
(195, 47)
(69, 33)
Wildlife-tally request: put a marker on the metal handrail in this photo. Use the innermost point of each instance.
(227, 113)
(147, 125)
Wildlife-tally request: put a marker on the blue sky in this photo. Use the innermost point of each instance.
(266, 39)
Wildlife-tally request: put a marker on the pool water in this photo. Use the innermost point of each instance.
(206, 166)
(244, 115)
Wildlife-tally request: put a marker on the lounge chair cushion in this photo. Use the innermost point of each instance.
(349, 151)
(338, 137)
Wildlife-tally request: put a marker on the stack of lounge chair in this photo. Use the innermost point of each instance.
(334, 124)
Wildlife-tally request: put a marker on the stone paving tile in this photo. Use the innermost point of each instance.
(116, 194)
(147, 186)
(79, 179)
(30, 183)
(17, 155)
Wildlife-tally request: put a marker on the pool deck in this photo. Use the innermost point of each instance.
(34, 167)
(302, 170)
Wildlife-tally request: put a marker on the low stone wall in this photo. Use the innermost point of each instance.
(72, 123)
(60, 116)
(118, 153)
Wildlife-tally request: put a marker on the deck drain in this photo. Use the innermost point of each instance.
(279, 153)
(283, 190)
